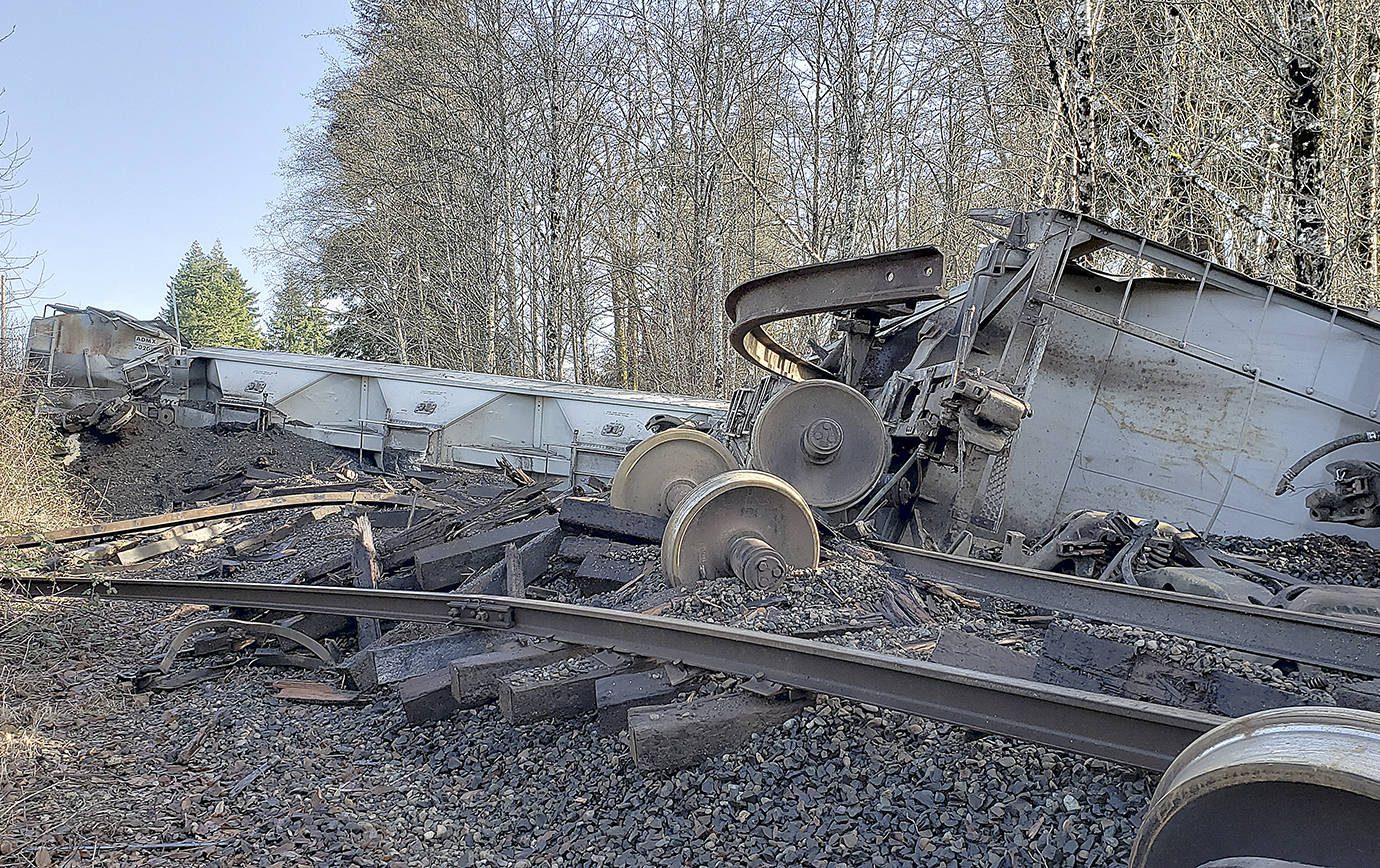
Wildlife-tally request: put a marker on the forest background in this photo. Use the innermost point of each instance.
(567, 189)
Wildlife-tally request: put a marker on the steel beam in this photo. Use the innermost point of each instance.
(1125, 731)
(898, 276)
(207, 513)
(1323, 640)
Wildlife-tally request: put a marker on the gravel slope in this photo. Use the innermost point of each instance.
(85, 762)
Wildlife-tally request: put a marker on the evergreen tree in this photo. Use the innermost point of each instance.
(181, 287)
(298, 323)
(210, 301)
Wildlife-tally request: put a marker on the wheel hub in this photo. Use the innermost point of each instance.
(743, 523)
(822, 440)
(825, 439)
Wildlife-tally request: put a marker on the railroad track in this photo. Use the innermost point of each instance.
(1323, 640)
(1124, 731)
(1221, 777)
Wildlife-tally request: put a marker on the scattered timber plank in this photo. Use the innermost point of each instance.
(527, 697)
(513, 473)
(282, 531)
(537, 505)
(966, 651)
(321, 488)
(386, 664)
(1234, 696)
(218, 643)
(402, 549)
(171, 540)
(366, 575)
(669, 737)
(428, 697)
(1072, 658)
(514, 506)
(584, 515)
(98, 552)
(533, 557)
(486, 490)
(215, 481)
(424, 474)
(399, 518)
(205, 646)
(597, 568)
(574, 549)
(394, 553)
(206, 513)
(146, 551)
(508, 499)
(474, 679)
(325, 568)
(315, 693)
(615, 695)
(512, 565)
(1359, 694)
(193, 535)
(447, 564)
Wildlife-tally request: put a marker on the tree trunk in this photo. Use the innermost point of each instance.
(1082, 60)
(1305, 85)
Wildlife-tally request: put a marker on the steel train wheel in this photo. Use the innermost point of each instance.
(709, 529)
(1299, 785)
(825, 439)
(662, 470)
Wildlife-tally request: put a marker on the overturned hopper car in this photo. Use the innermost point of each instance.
(1080, 366)
(95, 364)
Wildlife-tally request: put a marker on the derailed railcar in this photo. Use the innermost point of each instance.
(94, 364)
(1081, 367)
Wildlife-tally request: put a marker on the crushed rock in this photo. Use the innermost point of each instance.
(145, 467)
(1314, 557)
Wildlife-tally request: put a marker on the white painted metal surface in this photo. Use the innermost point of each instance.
(437, 416)
(1181, 398)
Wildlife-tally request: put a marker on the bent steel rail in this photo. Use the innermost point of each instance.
(1134, 733)
(1324, 640)
(895, 277)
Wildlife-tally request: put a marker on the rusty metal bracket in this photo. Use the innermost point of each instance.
(302, 639)
(482, 613)
(899, 277)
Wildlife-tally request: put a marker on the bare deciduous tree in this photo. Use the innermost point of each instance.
(570, 188)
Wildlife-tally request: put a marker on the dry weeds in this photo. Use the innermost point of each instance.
(36, 491)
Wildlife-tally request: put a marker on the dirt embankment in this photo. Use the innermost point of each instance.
(147, 468)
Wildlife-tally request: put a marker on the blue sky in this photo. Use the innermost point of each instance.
(153, 124)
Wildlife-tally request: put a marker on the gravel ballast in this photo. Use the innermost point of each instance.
(84, 761)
